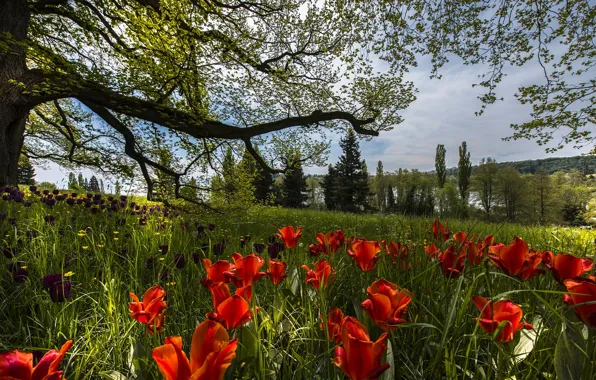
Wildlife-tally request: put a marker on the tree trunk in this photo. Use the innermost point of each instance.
(14, 21)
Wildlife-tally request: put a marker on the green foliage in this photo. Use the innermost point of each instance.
(440, 165)
(464, 172)
(284, 340)
(233, 187)
(352, 176)
(484, 183)
(294, 186)
(26, 172)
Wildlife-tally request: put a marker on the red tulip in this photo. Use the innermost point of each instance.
(516, 260)
(18, 365)
(334, 321)
(315, 249)
(211, 353)
(247, 269)
(432, 251)
(451, 263)
(322, 273)
(397, 251)
(440, 231)
(582, 291)
(219, 293)
(330, 242)
(386, 304)
(359, 358)
(151, 311)
(567, 267)
(244, 292)
(365, 253)
(460, 238)
(547, 257)
(232, 313)
(277, 271)
(220, 271)
(504, 312)
(289, 236)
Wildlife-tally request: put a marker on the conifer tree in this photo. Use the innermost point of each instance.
(86, 185)
(294, 187)
(26, 172)
(330, 188)
(353, 178)
(81, 180)
(440, 165)
(391, 205)
(381, 188)
(464, 171)
(72, 180)
(94, 185)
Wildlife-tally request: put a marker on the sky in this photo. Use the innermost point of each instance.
(442, 114)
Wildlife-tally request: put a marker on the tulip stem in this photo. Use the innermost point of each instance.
(323, 308)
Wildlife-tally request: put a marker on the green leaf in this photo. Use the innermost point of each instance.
(569, 364)
(389, 358)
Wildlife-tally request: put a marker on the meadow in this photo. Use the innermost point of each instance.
(105, 248)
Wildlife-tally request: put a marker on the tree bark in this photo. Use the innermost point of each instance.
(14, 21)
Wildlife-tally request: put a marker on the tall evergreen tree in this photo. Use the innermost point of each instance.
(330, 188)
(391, 205)
(117, 187)
(440, 165)
(381, 188)
(81, 180)
(94, 184)
(464, 171)
(72, 180)
(101, 187)
(26, 172)
(294, 187)
(86, 185)
(261, 180)
(353, 178)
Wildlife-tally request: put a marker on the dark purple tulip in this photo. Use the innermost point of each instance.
(2, 215)
(60, 292)
(165, 275)
(38, 193)
(123, 198)
(201, 228)
(46, 192)
(70, 201)
(218, 248)
(110, 198)
(94, 210)
(89, 195)
(74, 195)
(196, 258)
(164, 249)
(211, 227)
(31, 233)
(121, 221)
(50, 202)
(132, 204)
(32, 188)
(258, 247)
(20, 274)
(143, 221)
(79, 201)
(97, 197)
(12, 221)
(137, 208)
(6, 197)
(9, 253)
(51, 279)
(150, 263)
(55, 191)
(49, 219)
(180, 261)
(274, 249)
(27, 204)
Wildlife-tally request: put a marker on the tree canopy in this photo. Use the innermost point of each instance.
(97, 83)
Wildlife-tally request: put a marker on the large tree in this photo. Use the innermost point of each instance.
(484, 183)
(440, 165)
(200, 71)
(464, 171)
(353, 187)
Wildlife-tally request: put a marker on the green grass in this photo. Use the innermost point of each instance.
(441, 339)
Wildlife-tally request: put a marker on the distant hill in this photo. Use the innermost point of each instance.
(584, 164)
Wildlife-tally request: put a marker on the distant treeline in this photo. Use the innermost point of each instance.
(584, 164)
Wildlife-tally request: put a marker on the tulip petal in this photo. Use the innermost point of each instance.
(209, 337)
(16, 364)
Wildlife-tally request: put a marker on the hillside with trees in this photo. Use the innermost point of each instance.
(584, 164)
